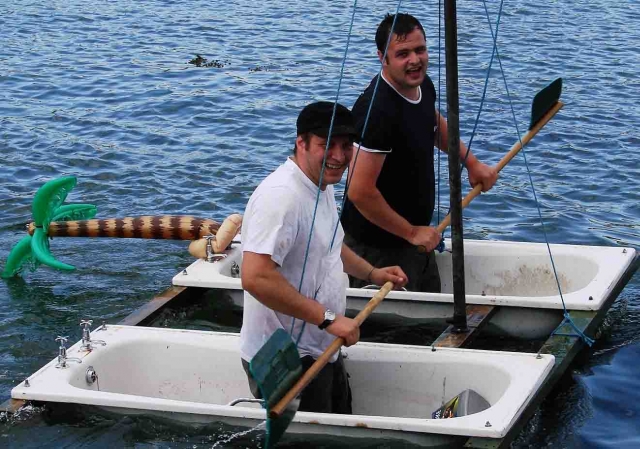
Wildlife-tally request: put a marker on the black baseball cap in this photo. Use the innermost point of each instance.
(315, 118)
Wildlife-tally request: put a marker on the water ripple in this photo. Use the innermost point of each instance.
(107, 92)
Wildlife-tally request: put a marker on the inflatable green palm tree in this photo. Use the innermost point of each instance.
(47, 206)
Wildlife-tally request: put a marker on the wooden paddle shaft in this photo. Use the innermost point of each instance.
(477, 190)
(317, 366)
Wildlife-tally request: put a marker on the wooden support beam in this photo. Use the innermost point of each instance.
(150, 310)
(477, 317)
(11, 406)
(564, 349)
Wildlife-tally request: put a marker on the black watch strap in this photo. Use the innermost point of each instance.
(329, 318)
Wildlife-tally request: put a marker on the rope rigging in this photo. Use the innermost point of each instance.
(324, 163)
(441, 246)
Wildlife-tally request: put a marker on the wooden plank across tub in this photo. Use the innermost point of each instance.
(477, 317)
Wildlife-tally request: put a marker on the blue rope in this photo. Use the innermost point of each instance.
(440, 248)
(567, 317)
(578, 332)
(482, 100)
(439, 98)
(494, 49)
(324, 162)
(366, 120)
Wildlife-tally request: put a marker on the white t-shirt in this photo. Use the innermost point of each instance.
(277, 221)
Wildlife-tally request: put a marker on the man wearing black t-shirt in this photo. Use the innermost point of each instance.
(391, 194)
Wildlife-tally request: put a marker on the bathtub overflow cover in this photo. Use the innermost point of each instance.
(91, 376)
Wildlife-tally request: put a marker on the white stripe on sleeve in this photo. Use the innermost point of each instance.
(370, 150)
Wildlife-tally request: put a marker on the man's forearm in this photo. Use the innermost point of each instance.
(355, 265)
(442, 142)
(375, 208)
(275, 292)
(442, 133)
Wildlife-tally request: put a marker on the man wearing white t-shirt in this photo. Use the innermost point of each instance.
(290, 278)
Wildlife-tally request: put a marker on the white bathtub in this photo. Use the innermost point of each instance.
(516, 276)
(192, 375)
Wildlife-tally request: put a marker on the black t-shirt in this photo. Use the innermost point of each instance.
(405, 131)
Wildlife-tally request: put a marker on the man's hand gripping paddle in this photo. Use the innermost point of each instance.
(277, 370)
(545, 105)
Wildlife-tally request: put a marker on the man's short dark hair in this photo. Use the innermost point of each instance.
(317, 119)
(405, 24)
(306, 138)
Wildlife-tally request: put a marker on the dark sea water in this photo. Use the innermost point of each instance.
(104, 91)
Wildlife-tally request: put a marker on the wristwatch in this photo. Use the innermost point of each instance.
(329, 318)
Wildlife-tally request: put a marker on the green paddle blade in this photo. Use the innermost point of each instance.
(40, 248)
(276, 368)
(19, 255)
(544, 100)
(48, 199)
(276, 427)
(69, 212)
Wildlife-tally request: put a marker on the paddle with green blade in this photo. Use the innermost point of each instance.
(545, 105)
(277, 370)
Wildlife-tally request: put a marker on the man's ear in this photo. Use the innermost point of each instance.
(300, 143)
(380, 55)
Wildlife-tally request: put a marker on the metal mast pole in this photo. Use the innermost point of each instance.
(459, 320)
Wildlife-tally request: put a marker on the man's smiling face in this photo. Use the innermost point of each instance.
(405, 65)
(310, 154)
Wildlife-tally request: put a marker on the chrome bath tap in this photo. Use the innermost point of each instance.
(86, 336)
(62, 354)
